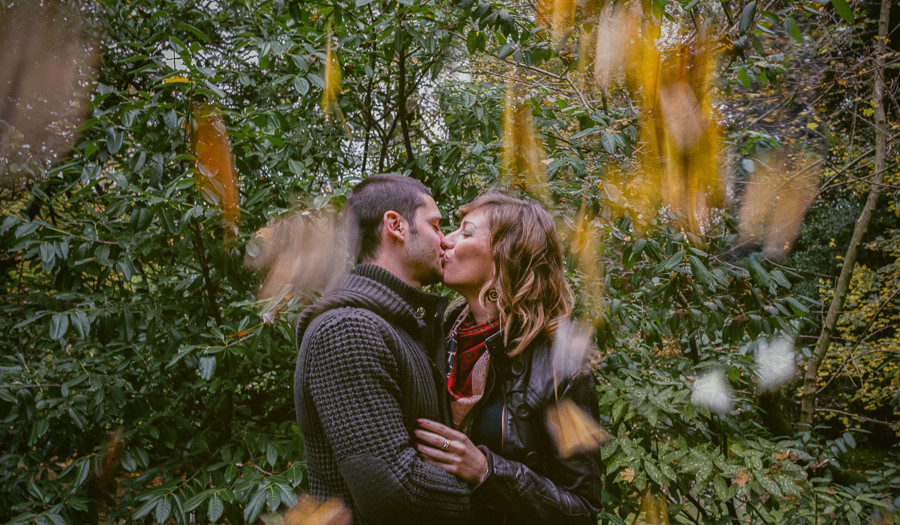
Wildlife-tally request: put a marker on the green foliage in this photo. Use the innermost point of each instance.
(142, 380)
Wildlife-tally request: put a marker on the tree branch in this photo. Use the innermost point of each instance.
(857, 416)
(808, 403)
(402, 102)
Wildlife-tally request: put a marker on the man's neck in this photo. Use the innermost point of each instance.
(391, 264)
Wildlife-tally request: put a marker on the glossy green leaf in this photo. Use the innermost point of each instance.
(747, 15)
(843, 8)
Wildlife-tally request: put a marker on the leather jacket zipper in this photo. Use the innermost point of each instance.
(503, 423)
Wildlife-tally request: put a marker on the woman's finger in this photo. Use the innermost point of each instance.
(436, 454)
(434, 440)
(440, 429)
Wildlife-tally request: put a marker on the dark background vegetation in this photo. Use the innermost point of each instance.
(142, 380)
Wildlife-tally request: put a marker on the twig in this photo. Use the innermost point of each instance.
(252, 461)
(857, 416)
(76, 236)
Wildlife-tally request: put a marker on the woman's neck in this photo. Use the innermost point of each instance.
(480, 314)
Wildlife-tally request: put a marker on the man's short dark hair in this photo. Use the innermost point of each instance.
(368, 203)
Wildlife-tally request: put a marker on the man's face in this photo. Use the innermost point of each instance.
(425, 246)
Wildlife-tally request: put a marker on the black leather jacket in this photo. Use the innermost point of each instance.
(528, 482)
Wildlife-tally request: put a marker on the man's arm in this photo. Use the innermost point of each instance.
(353, 384)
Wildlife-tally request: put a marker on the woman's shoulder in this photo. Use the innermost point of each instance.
(551, 374)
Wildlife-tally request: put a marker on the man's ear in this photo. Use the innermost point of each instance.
(394, 225)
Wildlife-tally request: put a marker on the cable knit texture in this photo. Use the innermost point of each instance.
(363, 377)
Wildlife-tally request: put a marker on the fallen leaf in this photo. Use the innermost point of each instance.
(573, 429)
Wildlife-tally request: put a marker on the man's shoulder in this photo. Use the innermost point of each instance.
(345, 317)
(351, 332)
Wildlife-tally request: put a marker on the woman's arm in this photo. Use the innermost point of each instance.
(572, 497)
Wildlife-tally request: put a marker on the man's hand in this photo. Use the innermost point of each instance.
(451, 450)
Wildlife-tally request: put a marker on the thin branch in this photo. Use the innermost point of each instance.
(401, 107)
(857, 416)
(86, 239)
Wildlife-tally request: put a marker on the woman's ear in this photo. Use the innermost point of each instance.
(394, 225)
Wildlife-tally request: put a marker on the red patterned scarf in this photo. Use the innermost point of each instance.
(470, 338)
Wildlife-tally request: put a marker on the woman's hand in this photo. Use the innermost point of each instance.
(451, 450)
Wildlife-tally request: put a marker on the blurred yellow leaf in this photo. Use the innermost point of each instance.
(679, 138)
(523, 152)
(310, 511)
(302, 252)
(573, 429)
(776, 199)
(563, 20)
(332, 78)
(214, 171)
(45, 63)
(655, 509)
(543, 14)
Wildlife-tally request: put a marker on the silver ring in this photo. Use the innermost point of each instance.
(446, 444)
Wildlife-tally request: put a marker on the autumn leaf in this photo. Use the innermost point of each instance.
(563, 20)
(300, 252)
(214, 170)
(522, 154)
(311, 511)
(776, 199)
(742, 478)
(44, 66)
(655, 509)
(680, 140)
(573, 429)
(333, 79)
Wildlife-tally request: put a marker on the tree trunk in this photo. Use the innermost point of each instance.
(402, 106)
(808, 403)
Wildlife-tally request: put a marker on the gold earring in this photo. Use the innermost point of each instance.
(493, 296)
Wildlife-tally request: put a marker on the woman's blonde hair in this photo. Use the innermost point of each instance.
(529, 277)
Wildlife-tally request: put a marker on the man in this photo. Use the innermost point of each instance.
(368, 364)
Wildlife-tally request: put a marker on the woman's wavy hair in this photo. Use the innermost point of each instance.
(529, 277)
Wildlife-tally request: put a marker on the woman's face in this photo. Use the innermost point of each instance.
(467, 263)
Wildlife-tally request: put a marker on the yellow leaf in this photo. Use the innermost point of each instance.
(812, 125)
(309, 511)
(177, 79)
(214, 169)
(574, 430)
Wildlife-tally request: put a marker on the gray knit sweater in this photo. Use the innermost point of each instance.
(367, 368)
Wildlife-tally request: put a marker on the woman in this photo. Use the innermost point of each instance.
(506, 262)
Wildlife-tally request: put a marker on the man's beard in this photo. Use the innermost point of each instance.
(426, 262)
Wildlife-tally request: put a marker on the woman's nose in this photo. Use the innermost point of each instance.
(449, 241)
